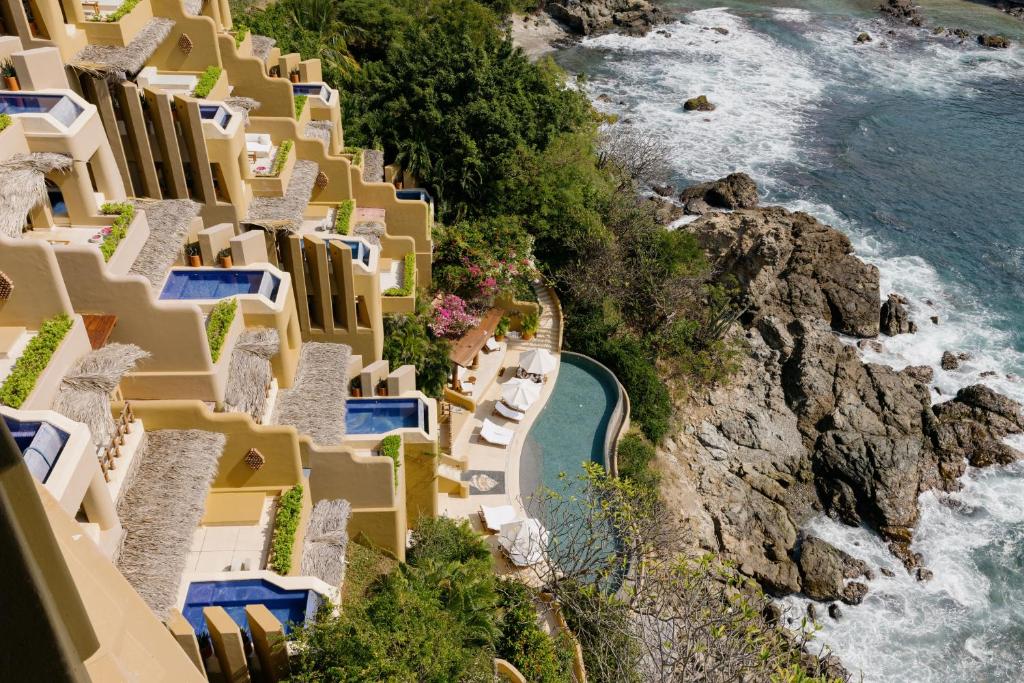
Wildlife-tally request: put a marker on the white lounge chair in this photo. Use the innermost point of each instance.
(493, 517)
(508, 413)
(468, 388)
(492, 433)
(492, 344)
(524, 542)
(258, 145)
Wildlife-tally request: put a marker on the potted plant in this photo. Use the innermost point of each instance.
(293, 75)
(531, 322)
(355, 389)
(224, 257)
(382, 388)
(10, 75)
(502, 329)
(194, 254)
(205, 645)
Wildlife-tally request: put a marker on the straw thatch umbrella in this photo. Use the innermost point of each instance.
(161, 508)
(323, 551)
(249, 373)
(23, 186)
(84, 393)
(537, 361)
(116, 63)
(520, 394)
(315, 404)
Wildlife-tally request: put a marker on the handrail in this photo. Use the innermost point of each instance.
(112, 451)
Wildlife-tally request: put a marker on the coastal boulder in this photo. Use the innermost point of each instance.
(863, 37)
(1000, 42)
(699, 103)
(949, 361)
(587, 17)
(824, 570)
(970, 428)
(734, 191)
(902, 10)
(893, 317)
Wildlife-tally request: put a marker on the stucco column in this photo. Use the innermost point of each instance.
(227, 644)
(99, 508)
(77, 191)
(108, 178)
(268, 642)
(182, 631)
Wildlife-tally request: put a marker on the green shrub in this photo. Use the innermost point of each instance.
(286, 523)
(650, 401)
(124, 213)
(122, 11)
(5, 120)
(281, 157)
(239, 35)
(206, 82)
(343, 216)
(300, 104)
(408, 278)
(441, 541)
(538, 656)
(391, 446)
(502, 327)
(531, 323)
(33, 361)
(356, 152)
(635, 455)
(218, 324)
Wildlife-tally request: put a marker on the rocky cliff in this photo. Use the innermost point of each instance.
(586, 17)
(806, 425)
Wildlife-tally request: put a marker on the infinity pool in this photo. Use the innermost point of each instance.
(288, 606)
(572, 427)
(383, 415)
(194, 283)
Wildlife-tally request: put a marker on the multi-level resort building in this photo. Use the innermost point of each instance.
(197, 413)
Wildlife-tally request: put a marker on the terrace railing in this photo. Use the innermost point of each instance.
(110, 453)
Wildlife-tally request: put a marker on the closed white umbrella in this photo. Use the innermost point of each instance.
(524, 542)
(520, 393)
(537, 361)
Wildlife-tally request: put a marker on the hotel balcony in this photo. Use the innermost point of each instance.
(115, 24)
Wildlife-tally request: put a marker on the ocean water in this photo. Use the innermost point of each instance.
(914, 146)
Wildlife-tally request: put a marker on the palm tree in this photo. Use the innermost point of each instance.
(321, 17)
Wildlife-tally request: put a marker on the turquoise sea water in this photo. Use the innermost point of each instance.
(914, 146)
(572, 426)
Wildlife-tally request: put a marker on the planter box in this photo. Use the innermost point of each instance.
(119, 33)
(74, 345)
(128, 249)
(274, 186)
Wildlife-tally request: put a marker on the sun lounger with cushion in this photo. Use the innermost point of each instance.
(492, 433)
(508, 413)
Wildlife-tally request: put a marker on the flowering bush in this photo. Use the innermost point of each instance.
(451, 317)
(478, 260)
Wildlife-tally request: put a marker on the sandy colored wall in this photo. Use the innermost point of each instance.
(249, 77)
(201, 31)
(39, 291)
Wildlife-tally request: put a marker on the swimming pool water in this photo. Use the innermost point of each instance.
(382, 415)
(571, 428)
(219, 284)
(288, 606)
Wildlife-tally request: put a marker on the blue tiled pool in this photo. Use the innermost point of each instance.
(219, 284)
(40, 444)
(216, 113)
(383, 415)
(312, 90)
(60, 107)
(288, 606)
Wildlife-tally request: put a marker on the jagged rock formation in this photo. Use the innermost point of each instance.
(894, 318)
(586, 17)
(735, 191)
(806, 425)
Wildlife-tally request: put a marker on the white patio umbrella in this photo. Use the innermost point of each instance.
(520, 393)
(537, 361)
(524, 541)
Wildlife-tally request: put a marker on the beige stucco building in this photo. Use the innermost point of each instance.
(194, 272)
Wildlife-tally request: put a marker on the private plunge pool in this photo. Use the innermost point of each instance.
(383, 415)
(290, 607)
(572, 428)
(219, 283)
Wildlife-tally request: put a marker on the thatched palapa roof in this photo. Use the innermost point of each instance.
(161, 509)
(193, 7)
(261, 46)
(250, 373)
(373, 166)
(318, 130)
(315, 404)
(84, 393)
(23, 186)
(168, 220)
(371, 231)
(323, 551)
(285, 213)
(117, 63)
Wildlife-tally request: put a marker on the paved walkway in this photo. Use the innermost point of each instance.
(503, 464)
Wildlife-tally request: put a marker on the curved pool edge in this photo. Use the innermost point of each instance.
(618, 422)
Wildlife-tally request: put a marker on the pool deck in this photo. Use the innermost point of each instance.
(484, 457)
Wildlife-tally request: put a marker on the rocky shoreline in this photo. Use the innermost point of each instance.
(807, 427)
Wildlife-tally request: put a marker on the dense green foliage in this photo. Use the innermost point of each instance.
(635, 456)
(391, 446)
(207, 80)
(218, 323)
(5, 120)
(124, 214)
(408, 277)
(408, 341)
(286, 523)
(122, 11)
(538, 656)
(343, 216)
(300, 104)
(33, 361)
(281, 157)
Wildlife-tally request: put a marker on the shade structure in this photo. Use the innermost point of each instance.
(537, 361)
(524, 542)
(520, 393)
